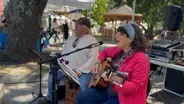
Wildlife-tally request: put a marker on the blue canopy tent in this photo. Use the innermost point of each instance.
(3, 40)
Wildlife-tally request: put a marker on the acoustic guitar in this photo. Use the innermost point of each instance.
(97, 80)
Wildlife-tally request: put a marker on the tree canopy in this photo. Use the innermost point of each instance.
(98, 9)
(153, 11)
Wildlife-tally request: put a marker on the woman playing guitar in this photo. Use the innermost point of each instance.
(130, 59)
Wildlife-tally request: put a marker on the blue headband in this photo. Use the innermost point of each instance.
(130, 31)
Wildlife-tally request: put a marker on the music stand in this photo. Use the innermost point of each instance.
(41, 57)
(39, 46)
(44, 58)
(53, 62)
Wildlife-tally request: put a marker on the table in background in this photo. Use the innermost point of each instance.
(173, 78)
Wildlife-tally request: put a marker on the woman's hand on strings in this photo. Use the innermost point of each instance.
(96, 69)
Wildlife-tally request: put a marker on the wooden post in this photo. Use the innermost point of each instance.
(114, 32)
(102, 28)
(113, 20)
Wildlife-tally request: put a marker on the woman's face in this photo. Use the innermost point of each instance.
(122, 40)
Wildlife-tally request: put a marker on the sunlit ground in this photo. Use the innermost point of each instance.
(21, 93)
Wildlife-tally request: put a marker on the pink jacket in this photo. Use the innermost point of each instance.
(138, 67)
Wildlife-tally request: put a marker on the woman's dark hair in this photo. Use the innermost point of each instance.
(139, 42)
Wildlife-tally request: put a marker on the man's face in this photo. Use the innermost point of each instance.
(78, 28)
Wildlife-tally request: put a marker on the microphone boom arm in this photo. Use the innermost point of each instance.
(79, 49)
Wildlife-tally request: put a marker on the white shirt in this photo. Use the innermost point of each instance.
(54, 25)
(84, 60)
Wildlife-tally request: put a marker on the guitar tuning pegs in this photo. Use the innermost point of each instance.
(66, 62)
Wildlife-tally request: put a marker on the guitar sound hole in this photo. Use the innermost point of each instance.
(95, 78)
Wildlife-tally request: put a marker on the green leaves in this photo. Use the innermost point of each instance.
(98, 9)
(153, 10)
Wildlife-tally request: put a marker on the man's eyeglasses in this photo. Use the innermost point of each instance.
(75, 43)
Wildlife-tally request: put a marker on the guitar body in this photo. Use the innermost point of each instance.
(97, 80)
(99, 83)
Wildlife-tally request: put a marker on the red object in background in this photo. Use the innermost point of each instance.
(66, 62)
(1, 7)
(61, 60)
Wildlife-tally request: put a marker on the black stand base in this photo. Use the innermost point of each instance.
(38, 96)
(54, 80)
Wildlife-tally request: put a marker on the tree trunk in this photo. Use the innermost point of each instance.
(23, 21)
(150, 32)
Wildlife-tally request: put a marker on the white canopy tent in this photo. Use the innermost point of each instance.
(60, 4)
(72, 4)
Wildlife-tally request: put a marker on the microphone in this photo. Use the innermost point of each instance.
(95, 44)
(100, 42)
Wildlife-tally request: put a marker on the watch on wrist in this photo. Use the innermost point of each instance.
(79, 72)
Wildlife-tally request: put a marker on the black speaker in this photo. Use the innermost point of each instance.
(173, 18)
(174, 81)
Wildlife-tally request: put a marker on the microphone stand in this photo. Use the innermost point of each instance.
(39, 95)
(53, 62)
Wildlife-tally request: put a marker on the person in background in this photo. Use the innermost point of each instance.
(1, 24)
(130, 60)
(4, 24)
(54, 23)
(55, 29)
